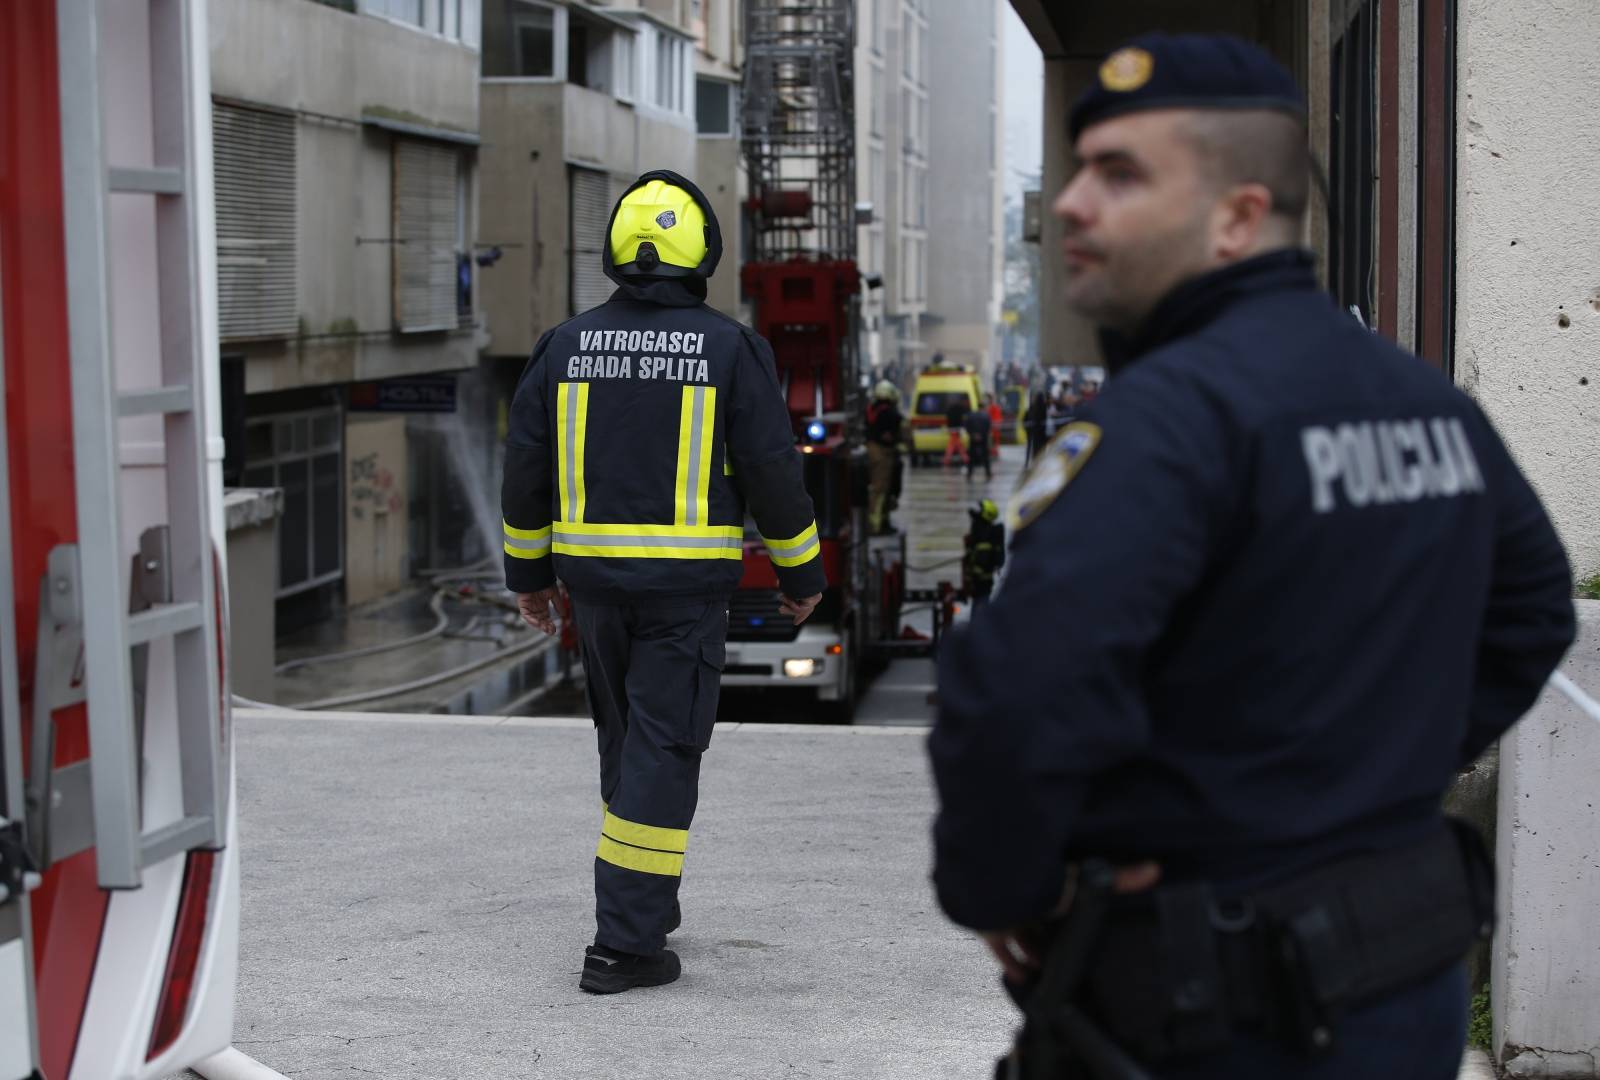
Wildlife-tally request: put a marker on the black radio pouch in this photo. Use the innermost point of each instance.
(1367, 926)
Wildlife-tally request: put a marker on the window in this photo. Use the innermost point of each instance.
(875, 250)
(407, 11)
(622, 65)
(714, 107)
(667, 61)
(940, 402)
(914, 194)
(254, 163)
(302, 453)
(534, 42)
(428, 222)
(667, 78)
(875, 181)
(456, 20)
(875, 96)
(599, 54)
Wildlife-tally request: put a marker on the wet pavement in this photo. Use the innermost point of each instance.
(476, 632)
(933, 511)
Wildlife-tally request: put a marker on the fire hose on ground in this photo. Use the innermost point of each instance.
(441, 580)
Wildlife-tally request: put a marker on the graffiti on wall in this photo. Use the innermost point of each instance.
(372, 489)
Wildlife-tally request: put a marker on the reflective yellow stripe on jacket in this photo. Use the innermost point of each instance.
(648, 849)
(526, 543)
(572, 422)
(796, 550)
(588, 539)
(697, 421)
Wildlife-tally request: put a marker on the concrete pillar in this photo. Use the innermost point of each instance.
(252, 520)
(1546, 968)
(1528, 283)
(1064, 337)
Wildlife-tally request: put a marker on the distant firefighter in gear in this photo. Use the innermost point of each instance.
(985, 551)
(641, 433)
(884, 435)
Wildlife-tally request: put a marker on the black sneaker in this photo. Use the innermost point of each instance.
(676, 919)
(608, 972)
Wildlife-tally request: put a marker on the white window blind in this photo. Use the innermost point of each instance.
(254, 160)
(427, 212)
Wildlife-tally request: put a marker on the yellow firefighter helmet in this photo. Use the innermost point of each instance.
(658, 230)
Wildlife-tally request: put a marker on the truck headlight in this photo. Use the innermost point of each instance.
(801, 669)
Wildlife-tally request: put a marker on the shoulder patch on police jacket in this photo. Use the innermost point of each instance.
(1058, 463)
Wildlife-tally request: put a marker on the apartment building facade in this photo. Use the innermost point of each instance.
(964, 199)
(578, 100)
(345, 139)
(892, 137)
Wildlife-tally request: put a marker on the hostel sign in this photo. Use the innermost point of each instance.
(417, 394)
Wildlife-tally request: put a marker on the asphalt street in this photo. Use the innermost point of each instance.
(418, 892)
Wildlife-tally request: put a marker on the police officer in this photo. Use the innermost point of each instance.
(884, 433)
(1268, 593)
(640, 434)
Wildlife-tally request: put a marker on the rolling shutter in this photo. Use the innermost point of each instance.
(591, 212)
(254, 159)
(426, 214)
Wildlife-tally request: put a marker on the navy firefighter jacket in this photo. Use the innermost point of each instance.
(1276, 586)
(641, 433)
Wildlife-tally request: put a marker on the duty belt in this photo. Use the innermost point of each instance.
(1183, 970)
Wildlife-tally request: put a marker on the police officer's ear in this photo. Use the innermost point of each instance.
(1242, 223)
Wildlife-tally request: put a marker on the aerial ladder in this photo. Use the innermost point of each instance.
(799, 273)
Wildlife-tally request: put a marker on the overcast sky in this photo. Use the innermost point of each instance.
(1023, 90)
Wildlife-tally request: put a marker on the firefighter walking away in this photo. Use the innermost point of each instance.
(641, 433)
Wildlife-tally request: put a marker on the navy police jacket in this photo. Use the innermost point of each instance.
(1277, 585)
(641, 434)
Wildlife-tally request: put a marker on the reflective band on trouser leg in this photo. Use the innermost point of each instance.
(586, 539)
(697, 421)
(797, 550)
(527, 543)
(572, 416)
(645, 848)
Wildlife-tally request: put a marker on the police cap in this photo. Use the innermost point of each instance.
(1186, 71)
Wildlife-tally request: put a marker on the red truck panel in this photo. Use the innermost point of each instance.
(69, 909)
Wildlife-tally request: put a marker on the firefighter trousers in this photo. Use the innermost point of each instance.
(654, 671)
(880, 482)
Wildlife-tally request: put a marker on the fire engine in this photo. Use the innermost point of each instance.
(119, 875)
(800, 274)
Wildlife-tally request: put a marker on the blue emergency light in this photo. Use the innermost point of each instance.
(816, 431)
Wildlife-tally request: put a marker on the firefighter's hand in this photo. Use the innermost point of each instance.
(535, 608)
(800, 609)
(1018, 948)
